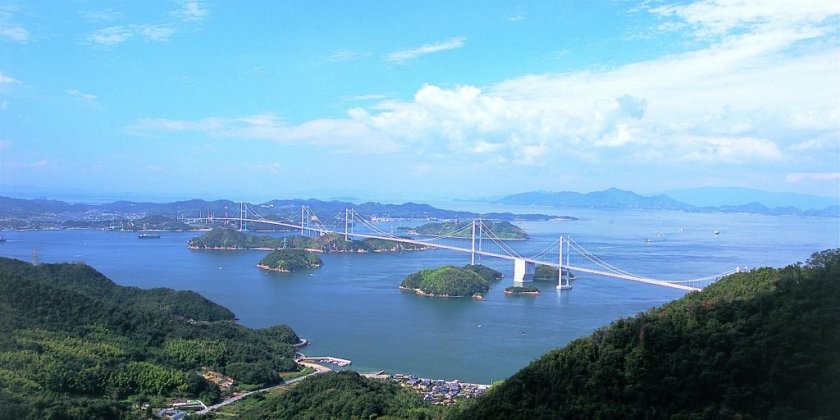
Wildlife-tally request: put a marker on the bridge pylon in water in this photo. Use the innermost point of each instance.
(523, 271)
(561, 285)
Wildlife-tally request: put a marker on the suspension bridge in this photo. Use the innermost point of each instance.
(477, 232)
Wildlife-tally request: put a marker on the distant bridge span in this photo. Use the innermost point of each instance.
(682, 285)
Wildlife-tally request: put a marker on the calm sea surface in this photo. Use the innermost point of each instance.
(352, 308)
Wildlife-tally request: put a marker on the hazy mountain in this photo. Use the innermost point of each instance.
(732, 196)
(612, 198)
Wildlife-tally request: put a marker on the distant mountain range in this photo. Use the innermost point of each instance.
(733, 196)
(44, 209)
(614, 198)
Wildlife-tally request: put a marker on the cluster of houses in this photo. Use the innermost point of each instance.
(439, 391)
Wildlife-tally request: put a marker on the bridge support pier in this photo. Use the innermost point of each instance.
(523, 271)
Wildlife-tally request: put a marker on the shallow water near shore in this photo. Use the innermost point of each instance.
(352, 308)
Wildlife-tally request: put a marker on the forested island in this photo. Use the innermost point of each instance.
(75, 345)
(461, 229)
(450, 281)
(289, 260)
(232, 239)
(522, 291)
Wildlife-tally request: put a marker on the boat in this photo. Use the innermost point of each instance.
(2, 239)
(148, 235)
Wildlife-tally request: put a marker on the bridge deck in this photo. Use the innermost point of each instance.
(467, 250)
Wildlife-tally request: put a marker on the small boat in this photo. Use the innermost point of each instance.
(717, 232)
(2, 239)
(148, 235)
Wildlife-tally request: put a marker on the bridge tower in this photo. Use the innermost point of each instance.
(243, 225)
(472, 246)
(302, 220)
(346, 223)
(560, 284)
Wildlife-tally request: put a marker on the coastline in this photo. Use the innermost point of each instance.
(280, 270)
(509, 293)
(420, 292)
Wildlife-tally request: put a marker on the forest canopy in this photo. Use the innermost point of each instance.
(761, 344)
(75, 345)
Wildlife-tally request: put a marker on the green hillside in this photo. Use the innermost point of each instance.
(344, 395)
(75, 345)
(764, 344)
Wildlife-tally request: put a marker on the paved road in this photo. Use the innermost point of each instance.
(239, 397)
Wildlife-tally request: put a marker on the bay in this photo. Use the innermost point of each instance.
(352, 308)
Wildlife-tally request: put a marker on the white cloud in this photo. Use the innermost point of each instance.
(403, 56)
(764, 88)
(156, 32)
(40, 164)
(10, 30)
(812, 176)
(192, 10)
(114, 35)
(711, 18)
(728, 149)
(4, 80)
(340, 135)
(81, 95)
(13, 33)
(744, 98)
(106, 15)
(368, 97)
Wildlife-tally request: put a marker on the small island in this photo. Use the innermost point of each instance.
(522, 291)
(289, 260)
(451, 281)
(460, 229)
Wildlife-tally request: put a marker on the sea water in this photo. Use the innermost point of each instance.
(352, 308)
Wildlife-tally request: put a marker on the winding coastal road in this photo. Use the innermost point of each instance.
(318, 370)
(247, 394)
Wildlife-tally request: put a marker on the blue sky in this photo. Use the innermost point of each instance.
(416, 100)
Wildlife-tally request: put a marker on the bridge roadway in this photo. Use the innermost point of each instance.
(467, 250)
